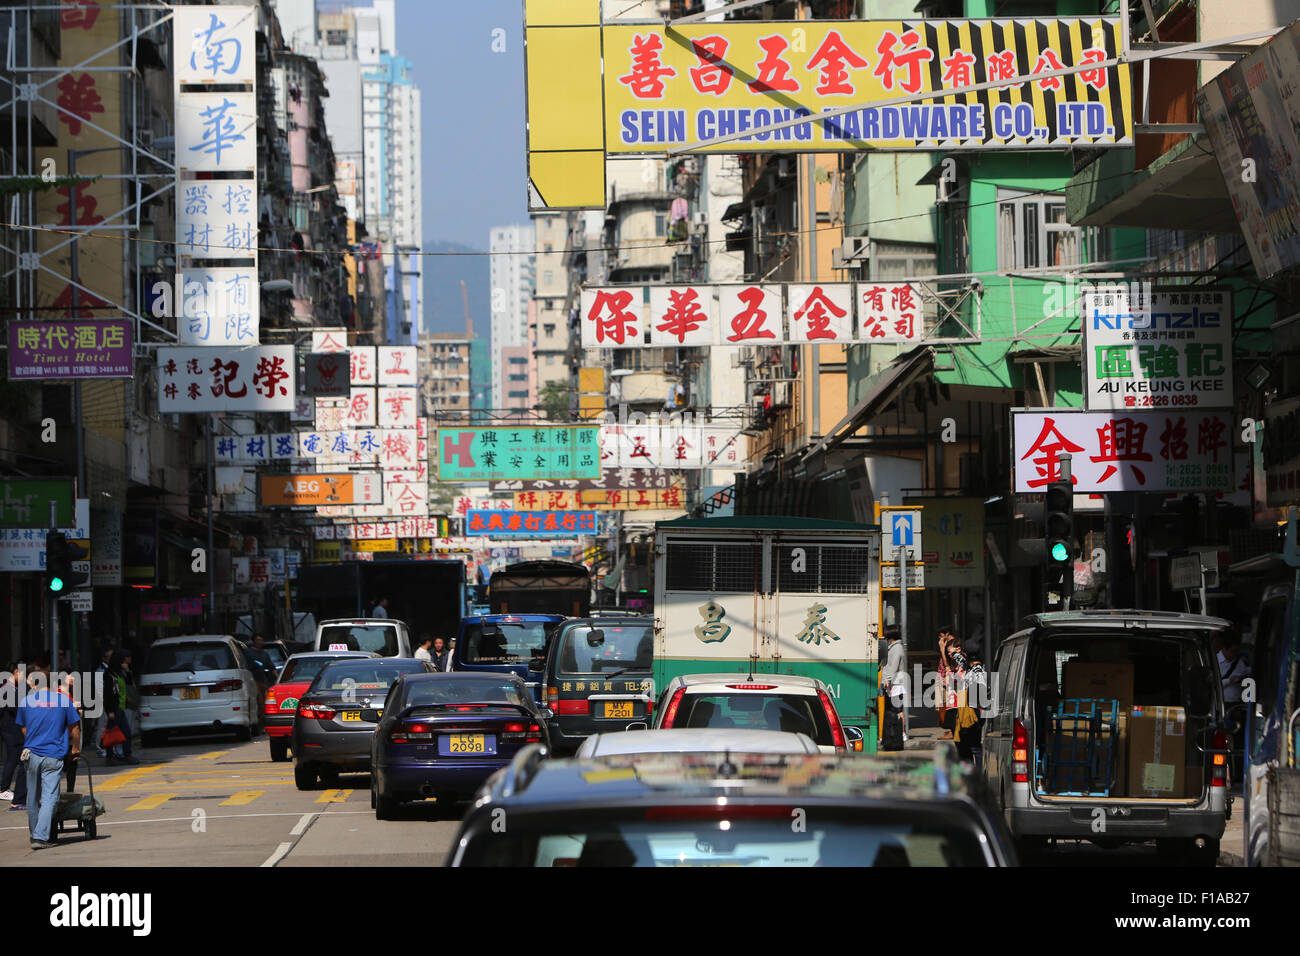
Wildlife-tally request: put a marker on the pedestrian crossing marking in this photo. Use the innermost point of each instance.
(212, 756)
(128, 776)
(152, 802)
(334, 796)
(242, 798)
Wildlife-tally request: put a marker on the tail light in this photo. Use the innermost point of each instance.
(271, 705)
(1219, 767)
(671, 713)
(552, 695)
(837, 729)
(316, 711)
(223, 686)
(1019, 753)
(518, 731)
(752, 686)
(582, 707)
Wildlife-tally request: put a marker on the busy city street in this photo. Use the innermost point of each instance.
(658, 434)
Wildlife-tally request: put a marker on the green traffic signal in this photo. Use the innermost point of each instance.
(1060, 553)
(56, 584)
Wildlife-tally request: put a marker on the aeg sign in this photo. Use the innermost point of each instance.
(318, 489)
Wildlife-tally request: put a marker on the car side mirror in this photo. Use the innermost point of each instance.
(853, 737)
(595, 637)
(536, 665)
(371, 715)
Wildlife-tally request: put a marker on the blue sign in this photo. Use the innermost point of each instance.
(499, 523)
(902, 530)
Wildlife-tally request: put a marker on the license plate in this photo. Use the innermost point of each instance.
(350, 715)
(474, 744)
(618, 708)
(190, 693)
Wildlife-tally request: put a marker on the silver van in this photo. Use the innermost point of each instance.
(1068, 696)
(385, 636)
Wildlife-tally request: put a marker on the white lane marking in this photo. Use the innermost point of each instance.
(301, 826)
(211, 816)
(280, 853)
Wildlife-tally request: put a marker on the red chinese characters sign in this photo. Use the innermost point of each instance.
(1182, 451)
(222, 379)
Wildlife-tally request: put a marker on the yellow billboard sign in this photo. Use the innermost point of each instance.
(375, 544)
(665, 88)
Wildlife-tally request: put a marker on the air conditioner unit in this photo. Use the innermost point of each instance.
(856, 247)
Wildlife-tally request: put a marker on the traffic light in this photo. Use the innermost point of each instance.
(1058, 544)
(60, 553)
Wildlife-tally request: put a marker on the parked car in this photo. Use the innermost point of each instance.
(443, 734)
(695, 740)
(786, 702)
(597, 674)
(281, 703)
(505, 644)
(726, 809)
(338, 714)
(385, 636)
(1048, 772)
(200, 681)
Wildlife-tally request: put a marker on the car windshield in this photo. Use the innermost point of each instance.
(590, 650)
(195, 656)
(278, 657)
(708, 836)
(504, 642)
(451, 690)
(380, 638)
(792, 713)
(367, 676)
(304, 669)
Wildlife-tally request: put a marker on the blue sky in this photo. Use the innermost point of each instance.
(472, 105)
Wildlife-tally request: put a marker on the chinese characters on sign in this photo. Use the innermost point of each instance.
(703, 315)
(536, 451)
(1169, 451)
(259, 378)
(534, 524)
(1171, 349)
(626, 479)
(610, 499)
(315, 488)
(75, 349)
(220, 306)
(670, 446)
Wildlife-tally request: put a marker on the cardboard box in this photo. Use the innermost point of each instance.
(1100, 681)
(1157, 752)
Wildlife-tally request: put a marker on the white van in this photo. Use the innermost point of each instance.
(199, 681)
(384, 636)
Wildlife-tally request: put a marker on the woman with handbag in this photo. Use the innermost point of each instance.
(117, 733)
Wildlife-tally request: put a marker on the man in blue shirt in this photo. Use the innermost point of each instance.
(49, 721)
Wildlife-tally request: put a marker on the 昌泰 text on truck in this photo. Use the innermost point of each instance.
(771, 595)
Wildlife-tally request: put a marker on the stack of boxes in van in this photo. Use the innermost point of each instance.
(1151, 750)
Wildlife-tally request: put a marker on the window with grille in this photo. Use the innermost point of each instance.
(1033, 233)
(711, 568)
(828, 569)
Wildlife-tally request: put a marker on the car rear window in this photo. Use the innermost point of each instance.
(792, 713)
(370, 676)
(700, 836)
(189, 656)
(453, 690)
(379, 638)
(507, 642)
(591, 650)
(304, 669)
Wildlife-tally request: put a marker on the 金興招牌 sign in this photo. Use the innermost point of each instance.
(76, 348)
(535, 451)
(1166, 451)
(533, 524)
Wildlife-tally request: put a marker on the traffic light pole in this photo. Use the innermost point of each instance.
(54, 599)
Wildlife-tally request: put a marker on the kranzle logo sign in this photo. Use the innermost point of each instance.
(76, 909)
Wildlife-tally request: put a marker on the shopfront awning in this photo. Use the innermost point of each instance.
(883, 389)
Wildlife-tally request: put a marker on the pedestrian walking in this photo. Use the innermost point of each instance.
(101, 721)
(51, 733)
(946, 691)
(132, 694)
(1234, 670)
(115, 705)
(972, 695)
(441, 654)
(12, 691)
(422, 652)
(893, 682)
(380, 609)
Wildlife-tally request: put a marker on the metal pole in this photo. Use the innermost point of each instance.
(902, 629)
(53, 598)
(212, 555)
(76, 304)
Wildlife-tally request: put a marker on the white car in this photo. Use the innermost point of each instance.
(790, 703)
(385, 636)
(695, 740)
(200, 681)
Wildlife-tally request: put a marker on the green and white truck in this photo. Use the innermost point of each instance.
(770, 594)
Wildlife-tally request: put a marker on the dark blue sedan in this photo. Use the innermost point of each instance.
(442, 734)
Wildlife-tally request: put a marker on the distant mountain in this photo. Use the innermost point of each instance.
(443, 308)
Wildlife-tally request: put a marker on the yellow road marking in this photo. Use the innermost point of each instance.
(334, 796)
(152, 803)
(212, 756)
(203, 787)
(127, 776)
(242, 797)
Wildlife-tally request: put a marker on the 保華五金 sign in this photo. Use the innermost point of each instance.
(77, 348)
(536, 451)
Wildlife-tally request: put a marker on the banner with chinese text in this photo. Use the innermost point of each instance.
(534, 524)
(226, 379)
(535, 451)
(1172, 451)
(610, 499)
(84, 348)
